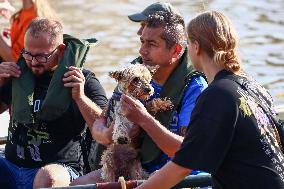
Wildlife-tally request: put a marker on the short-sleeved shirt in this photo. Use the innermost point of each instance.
(232, 138)
(180, 119)
(35, 145)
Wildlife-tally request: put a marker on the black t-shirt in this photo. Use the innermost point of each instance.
(231, 137)
(35, 145)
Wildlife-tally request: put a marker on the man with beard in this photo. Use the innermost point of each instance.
(163, 45)
(52, 98)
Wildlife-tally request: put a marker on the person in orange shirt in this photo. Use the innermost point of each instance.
(19, 22)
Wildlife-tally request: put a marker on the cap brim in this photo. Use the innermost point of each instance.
(138, 17)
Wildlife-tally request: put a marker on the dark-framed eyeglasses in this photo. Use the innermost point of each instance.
(39, 58)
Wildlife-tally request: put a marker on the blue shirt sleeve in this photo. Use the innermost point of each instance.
(196, 86)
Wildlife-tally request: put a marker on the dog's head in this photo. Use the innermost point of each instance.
(135, 81)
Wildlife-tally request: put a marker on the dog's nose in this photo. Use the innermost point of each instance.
(122, 140)
(147, 90)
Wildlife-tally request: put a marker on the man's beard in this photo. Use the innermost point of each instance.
(37, 70)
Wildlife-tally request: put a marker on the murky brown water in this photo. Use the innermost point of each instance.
(259, 23)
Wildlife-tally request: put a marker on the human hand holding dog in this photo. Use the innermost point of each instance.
(133, 110)
(100, 132)
(75, 79)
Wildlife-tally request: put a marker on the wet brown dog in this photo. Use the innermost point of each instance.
(121, 157)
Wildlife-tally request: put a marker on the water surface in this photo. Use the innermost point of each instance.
(259, 23)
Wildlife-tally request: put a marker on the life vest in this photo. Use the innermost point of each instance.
(58, 97)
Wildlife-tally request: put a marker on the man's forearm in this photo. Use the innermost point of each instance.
(89, 110)
(92, 114)
(167, 141)
(100, 132)
(167, 177)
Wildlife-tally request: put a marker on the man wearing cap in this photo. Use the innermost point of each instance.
(52, 98)
(178, 118)
(174, 79)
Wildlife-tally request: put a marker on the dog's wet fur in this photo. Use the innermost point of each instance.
(121, 158)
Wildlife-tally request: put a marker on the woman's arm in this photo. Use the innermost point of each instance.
(167, 177)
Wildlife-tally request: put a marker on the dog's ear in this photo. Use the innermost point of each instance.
(117, 75)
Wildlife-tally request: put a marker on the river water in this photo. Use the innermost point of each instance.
(259, 24)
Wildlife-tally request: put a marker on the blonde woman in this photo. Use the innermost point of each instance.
(231, 135)
(19, 22)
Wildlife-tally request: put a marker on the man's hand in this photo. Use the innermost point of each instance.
(75, 79)
(100, 132)
(7, 70)
(133, 110)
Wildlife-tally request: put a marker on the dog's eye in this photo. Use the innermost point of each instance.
(136, 79)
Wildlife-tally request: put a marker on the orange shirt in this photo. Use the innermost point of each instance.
(18, 28)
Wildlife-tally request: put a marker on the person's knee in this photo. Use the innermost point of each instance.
(52, 175)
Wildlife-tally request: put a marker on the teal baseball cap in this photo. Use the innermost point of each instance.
(152, 9)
